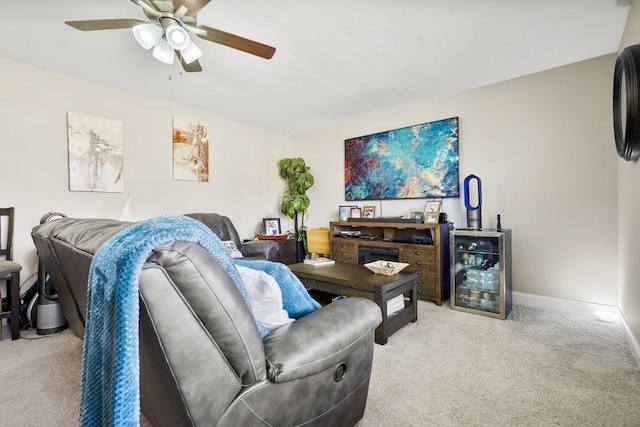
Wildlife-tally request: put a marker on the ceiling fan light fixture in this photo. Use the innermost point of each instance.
(191, 53)
(168, 30)
(147, 35)
(163, 52)
(177, 36)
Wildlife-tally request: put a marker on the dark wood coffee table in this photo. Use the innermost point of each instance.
(355, 280)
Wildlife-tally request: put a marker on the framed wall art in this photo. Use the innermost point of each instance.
(96, 155)
(190, 151)
(412, 162)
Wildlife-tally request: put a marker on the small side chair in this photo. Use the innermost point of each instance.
(10, 272)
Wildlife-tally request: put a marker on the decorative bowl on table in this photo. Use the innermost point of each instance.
(386, 267)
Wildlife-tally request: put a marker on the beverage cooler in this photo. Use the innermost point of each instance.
(481, 271)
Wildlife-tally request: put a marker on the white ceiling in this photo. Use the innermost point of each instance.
(334, 60)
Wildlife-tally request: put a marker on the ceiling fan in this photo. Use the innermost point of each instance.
(167, 31)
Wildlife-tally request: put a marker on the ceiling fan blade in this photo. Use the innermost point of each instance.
(236, 42)
(193, 6)
(191, 67)
(104, 24)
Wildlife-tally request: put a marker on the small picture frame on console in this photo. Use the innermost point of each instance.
(368, 211)
(344, 212)
(432, 218)
(355, 212)
(416, 214)
(271, 226)
(432, 207)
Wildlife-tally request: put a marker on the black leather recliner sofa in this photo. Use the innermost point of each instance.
(202, 360)
(223, 227)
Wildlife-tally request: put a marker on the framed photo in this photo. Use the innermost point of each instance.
(355, 212)
(271, 226)
(416, 214)
(344, 212)
(369, 212)
(432, 218)
(432, 206)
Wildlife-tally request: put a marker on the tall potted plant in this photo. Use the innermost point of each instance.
(295, 201)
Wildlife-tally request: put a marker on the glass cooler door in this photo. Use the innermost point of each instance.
(477, 273)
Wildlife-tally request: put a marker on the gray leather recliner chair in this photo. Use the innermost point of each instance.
(223, 228)
(202, 360)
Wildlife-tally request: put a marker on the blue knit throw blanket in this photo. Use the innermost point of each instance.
(110, 386)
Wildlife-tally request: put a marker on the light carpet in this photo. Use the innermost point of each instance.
(537, 368)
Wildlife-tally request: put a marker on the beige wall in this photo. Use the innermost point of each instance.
(543, 147)
(629, 211)
(541, 144)
(244, 182)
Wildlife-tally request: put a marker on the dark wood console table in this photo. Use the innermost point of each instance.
(353, 280)
(424, 246)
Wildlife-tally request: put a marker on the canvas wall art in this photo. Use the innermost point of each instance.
(96, 155)
(190, 151)
(418, 161)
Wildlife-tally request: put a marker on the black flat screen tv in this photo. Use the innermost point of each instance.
(414, 162)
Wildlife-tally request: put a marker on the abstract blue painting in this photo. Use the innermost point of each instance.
(414, 162)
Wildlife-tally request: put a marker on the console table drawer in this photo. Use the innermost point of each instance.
(426, 280)
(421, 253)
(344, 252)
(423, 275)
(427, 290)
(420, 264)
(420, 259)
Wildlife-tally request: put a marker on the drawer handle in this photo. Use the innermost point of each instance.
(418, 253)
(343, 246)
(343, 253)
(419, 262)
(420, 291)
(343, 261)
(419, 272)
(420, 282)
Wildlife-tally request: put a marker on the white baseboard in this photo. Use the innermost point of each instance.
(577, 307)
(559, 304)
(633, 342)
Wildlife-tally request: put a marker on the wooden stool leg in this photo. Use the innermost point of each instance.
(13, 296)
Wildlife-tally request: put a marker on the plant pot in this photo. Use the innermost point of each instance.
(300, 252)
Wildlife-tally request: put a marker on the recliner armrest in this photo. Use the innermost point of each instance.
(320, 340)
(264, 249)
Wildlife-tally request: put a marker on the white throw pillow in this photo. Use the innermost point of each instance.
(232, 248)
(265, 297)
